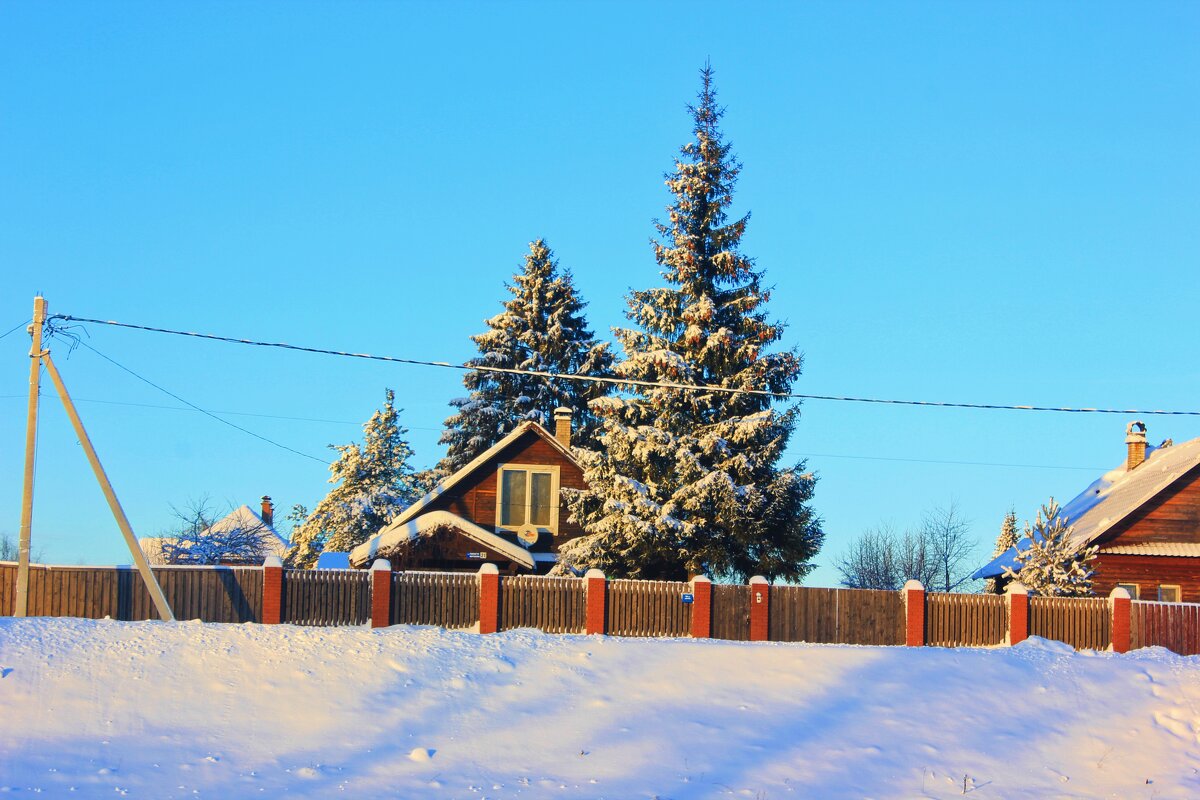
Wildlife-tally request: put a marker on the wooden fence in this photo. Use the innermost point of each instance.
(448, 599)
(955, 620)
(1083, 623)
(731, 612)
(616, 607)
(1175, 626)
(326, 597)
(648, 608)
(212, 594)
(553, 605)
(836, 616)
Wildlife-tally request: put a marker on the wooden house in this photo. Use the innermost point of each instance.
(1145, 518)
(504, 507)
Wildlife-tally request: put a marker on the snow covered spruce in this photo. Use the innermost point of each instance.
(542, 329)
(688, 482)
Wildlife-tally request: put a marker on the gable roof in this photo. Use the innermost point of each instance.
(242, 517)
(448, 483)
(1112, 497)
(399, 533)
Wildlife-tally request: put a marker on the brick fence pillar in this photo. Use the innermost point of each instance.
(1018, 612)
(489, 598)
(760, 609)
(272, 595)
(914, 614)
(1122, 608)
(381, 593)
(701, 607)
(596, 587)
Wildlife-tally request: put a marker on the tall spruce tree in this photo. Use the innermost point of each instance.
(374, 483)
(688, 482)
(1005, 541)
(542, 328)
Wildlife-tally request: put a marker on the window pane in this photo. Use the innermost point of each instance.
(539, 513)
(1168, 594)
(512, 497)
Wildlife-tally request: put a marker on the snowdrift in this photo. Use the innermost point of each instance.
(102, 709)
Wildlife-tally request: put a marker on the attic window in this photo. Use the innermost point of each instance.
(527, 494)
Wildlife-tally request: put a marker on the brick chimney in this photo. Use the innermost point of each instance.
(562, 426)
(268, 510)
(1135, 442)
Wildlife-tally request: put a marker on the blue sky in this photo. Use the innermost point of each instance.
(957, 202)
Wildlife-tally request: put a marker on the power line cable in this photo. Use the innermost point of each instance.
(624, 382)
(198, 408)
(420, 428)
(16, 328)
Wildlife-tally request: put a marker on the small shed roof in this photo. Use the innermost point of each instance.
(400, 533)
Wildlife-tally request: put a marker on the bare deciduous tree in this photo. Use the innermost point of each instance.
(199, 539)
(10, 549)
(938, 554)
(948, 537)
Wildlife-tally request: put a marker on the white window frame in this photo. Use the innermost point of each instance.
(1176, 587)
(542, 469)
(1133, 589)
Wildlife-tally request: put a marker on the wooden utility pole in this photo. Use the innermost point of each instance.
(139, 558)
(31, 426)
(39, 357)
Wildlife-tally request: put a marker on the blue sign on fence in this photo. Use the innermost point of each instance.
(687, 597)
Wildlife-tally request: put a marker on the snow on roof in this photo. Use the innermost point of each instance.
(446, 484)
(333, 560)
(247, 519)
(1111, 498)
(152, 549)
(242, 517)
(399, 533)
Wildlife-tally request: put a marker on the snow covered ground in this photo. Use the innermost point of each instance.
(102, 709)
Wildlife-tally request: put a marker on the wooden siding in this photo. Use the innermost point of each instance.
(474, 497)
(731, 612)
(648, 608)
(553, 605)
(1083, 623)
(953, 620)
(1173, 515)
(450, 600)
(326, 596)
(1148, 572)
(1175, 626)
(211, 594)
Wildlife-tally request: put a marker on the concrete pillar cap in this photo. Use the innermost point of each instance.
(594, 573)
(489, 569)
(1120, 593)
(758, 579)
(272, 561)
(1016, 587)
(701, 579)
(381, 565)
(913, 586)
